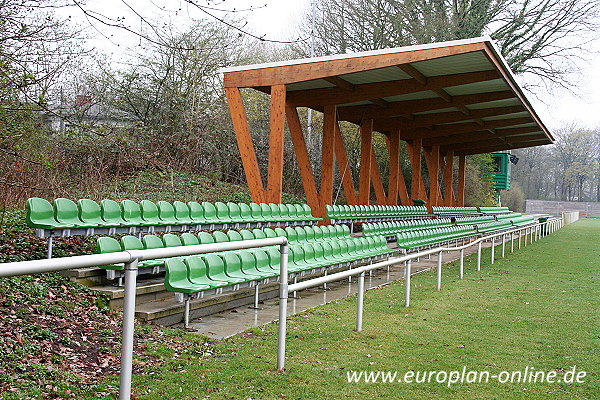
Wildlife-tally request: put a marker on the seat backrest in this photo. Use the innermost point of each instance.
(232, 262)
(247, 235)
(280, 232)
(196, 211)
(149, 211)
(107, 244)
(248, 260)
(171, 240)
(274, 256)
(259, 233)
(234, 211)
(131, 243)
(220, 237)
(66, 211)
(131, 211)
(111, 211)
(300, 234)
(245, 211)
(222, 211)
(234, 236)
(182, 211)
(175, 271)
(189, 239)
(310, 233)
(284, 212)
(291, 234)
(266, 212)
(196, 268)
(39, 211)
(318, 232)
(210, 212)
(275, 212)
(166, 211)
(205, 238)
(89, 211)
(214, 265)
(270, 233)
(152, 242)
(262, 260)
(256, 211)
(293, 213)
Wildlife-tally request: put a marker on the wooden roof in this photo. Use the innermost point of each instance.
(460, 94)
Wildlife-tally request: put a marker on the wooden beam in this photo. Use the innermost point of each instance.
(414, 151)
(306, 172)
(398, 108)
(462, 162)
(485, 141)
(393, 146)
(366, 148)
(479, 135)
(327, 155)
(341, 83)
(490, 149)
(276, 141)
(370, 91)
(376, 179)
(453, 129)
(344, 167)
(245, 145)
(286, 74)
(448, 174)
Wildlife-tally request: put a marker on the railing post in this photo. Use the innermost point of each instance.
(493, 248)
(531, 233)
(520, 234)
(479, 256)
(462, 263)
(360, 301)
(512, 242)
(50, 240)
(407, 278)
(131, 269)
(503, 243)
(283, 298)
(438, 285)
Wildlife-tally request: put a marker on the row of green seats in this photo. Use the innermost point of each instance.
(474, 220)
(372, 211)
(494, 226)
(391, 228)
(493, 210)
(522, 220)
(445, 210)
(434, 236)
(86, 213)
(507, 216)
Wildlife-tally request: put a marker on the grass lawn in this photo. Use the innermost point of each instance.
(538, 307)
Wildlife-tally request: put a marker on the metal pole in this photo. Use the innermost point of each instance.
(520, 233)
(407, 278)
(50, 245)
(283, 298)
(512, 242)
(438, 285)
(186, 312)
(479, 257)
(493, 247)
(531, 233)
(359, 306)
(462, 263)
(503, 244)
(131, 268)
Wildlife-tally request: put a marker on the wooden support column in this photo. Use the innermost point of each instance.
(393, 145)
(276, 140)
(306, 172)
(462, 164)
(366, 148)
(327, 154)
(245, 145)
(376, 178)
(448, 177)
(432, 158)
(344, 167)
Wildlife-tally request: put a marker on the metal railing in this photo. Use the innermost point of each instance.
(131, 259)
(529, 233)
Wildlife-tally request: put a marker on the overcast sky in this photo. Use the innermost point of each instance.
(278, 20)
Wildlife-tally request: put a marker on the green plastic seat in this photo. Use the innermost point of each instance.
(198, 273)
(247, 235)
(235, 213)
(171, 240)
(245, 212)
(216, 270)
(133, 243)
(269, 233)
(40, 215)
(234, 236)
(67, 213)
(280, 232)
(276, 212)
(196, 212)
(233, 268)
(149, 212)
(266, 212)
(210, 213)
(182, 213)
(259, 233)
(205, 238)
(109, 245)
(89, 213)
(176, 278)
(112, 213)
(263, 262)
(284, 213)
(189, 239)
(220, 237)
(293, 212)
(291, 234)
(166, 213)
(152, 242)
(223, 213)
(249, 265)
(256, 212)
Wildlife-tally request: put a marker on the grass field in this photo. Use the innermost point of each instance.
(537, 308)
